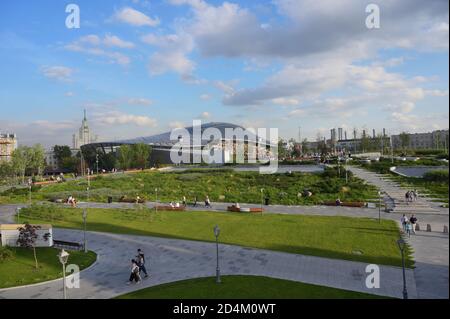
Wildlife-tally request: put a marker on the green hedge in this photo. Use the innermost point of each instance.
(436, 176)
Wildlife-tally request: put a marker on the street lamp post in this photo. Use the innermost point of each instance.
(346, 172)
(18, 214)
(379, 207)
(401, 245)
(30, 183)
(96, 160)
(217, 233)
(156, 206)
(84, 235)
(89, 183)
(262, 198)
(63, 257)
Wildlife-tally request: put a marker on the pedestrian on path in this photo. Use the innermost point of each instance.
(195, 201)
(413, 221)
(408, 228)
(415, 194)
(403, 221)
(134, 275)
(140, 259)
(184, 201)
(207, 202)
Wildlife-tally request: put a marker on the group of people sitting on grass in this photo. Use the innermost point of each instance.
(137, 268)
(409, 224)
(411, 196)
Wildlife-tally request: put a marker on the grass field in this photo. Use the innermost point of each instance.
(223, 185)
(243, 287)
(360, 239)
(20, 268)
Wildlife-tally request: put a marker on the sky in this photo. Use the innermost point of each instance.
(142, 67)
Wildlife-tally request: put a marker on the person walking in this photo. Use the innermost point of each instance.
(140, 258)
(134, 275)
(403, 221)
(184, 201)
(195, 201)
(207, 202)
(413, 221)
(415, 194)
(408, 228)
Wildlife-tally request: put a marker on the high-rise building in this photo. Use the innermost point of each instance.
(8, 143)
(84, 135)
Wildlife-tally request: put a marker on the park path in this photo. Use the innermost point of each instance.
(171, 260)
(431, 249)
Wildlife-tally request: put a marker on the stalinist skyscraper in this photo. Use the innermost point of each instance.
(84, 135)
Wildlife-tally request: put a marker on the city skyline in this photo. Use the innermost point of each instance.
(143, 67)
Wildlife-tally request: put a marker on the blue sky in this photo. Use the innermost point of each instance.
(143, 67)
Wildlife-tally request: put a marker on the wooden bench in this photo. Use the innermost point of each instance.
(131, 200)
(244, 210)
(170, 208)
(346, 204)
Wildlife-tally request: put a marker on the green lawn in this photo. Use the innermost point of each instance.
(223, 185)
(20, 268)
(243, 287)
(360, 239)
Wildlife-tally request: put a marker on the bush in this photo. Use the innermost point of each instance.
(436, 176)
(5, 254)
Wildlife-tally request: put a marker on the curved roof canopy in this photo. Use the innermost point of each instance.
(164, 138)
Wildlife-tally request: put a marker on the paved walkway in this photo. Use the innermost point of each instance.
(172, 260)
(431, 249)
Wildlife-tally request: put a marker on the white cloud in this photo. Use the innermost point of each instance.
(93, 45)
(57, 72)
(115, 41)
(161, 62)
(285, 101)
(205, 115)
(176, 124)
(135, 18)
(140, 101)
(69, 94)
(119, 118)
(205, 97)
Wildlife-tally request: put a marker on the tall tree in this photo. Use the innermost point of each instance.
(37, 159)
(125, 156)
(61, 152)
(141, 154)
(20, 160)
(404, 140)
(305, 147)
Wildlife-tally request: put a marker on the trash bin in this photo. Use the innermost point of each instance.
(109, 199)
(266, 201)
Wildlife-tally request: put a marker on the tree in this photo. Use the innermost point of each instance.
(141, 155)
(37, 159)
(404, 140)
(365, 142)
(20, 160)
(108, 161)
(28, 236)
(61, 152)
(125, 156)
(282, 151)
(305, 147)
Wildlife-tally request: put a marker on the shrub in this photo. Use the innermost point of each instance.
(5, 254)
(436, 176)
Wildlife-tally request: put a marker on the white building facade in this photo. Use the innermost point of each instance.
(84, 135)
(8, 143)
